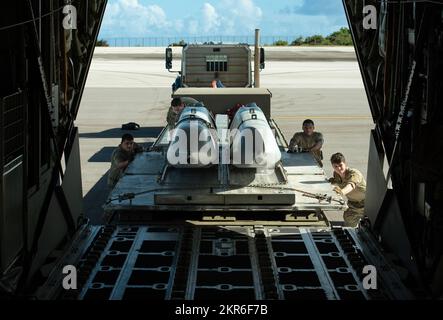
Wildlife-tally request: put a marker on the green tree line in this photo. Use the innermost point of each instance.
(341, 37)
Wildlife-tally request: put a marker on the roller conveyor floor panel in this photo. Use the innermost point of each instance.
(212, 262)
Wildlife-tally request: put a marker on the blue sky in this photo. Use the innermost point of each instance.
(145, 18)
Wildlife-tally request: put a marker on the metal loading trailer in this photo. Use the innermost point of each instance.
(150, 184)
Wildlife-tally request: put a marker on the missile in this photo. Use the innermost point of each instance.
(194, 142)
(253, 144)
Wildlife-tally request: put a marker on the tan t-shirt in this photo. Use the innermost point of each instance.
(304, 141)
(358, 182)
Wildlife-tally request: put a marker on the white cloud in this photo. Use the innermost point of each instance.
(242, 16)
(227, 17)
(211, 19)
(131, 18)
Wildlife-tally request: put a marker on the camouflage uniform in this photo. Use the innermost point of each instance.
(119, 155)
(172, 117)
(304, 141)
(356, 198)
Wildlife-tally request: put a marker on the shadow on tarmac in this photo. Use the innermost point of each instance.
(143, 132)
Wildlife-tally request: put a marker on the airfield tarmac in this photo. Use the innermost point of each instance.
(131, 85)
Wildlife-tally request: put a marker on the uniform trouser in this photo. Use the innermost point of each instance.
(353, 214)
